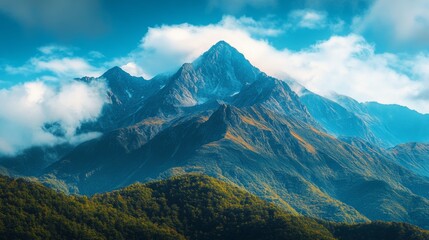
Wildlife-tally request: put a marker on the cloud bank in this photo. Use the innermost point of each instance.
(347, 64)
(37, 113)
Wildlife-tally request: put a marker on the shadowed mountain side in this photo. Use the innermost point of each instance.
(336, 119)
(392, 124)
(413, 156)
(268, 155)
(124, 97)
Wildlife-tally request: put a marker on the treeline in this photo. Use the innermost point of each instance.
(184, 207)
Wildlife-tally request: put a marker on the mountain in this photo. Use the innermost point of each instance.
(274, 95)
(223, 117)
(413, 156)
(380, 124)
(392, 124)
(254, 131)
(184, 207)
(336, 119)
(33, 160)
(217, 75)
(125, 94)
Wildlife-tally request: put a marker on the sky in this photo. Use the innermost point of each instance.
(371, 50)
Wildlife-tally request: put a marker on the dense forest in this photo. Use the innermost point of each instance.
(183, 207)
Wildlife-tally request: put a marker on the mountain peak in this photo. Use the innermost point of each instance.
(222, 53)
(222, 45)
(217, 74)
(115, 72)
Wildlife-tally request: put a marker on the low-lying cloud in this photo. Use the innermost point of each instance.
(39, 113)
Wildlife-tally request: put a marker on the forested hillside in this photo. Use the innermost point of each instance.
(184, 207)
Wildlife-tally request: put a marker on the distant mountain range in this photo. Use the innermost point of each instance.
(383, 125)
(326, 158)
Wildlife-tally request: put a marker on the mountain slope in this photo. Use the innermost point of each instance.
(206, 208)
(253, 150)
(413, 156)
(261, 138)
(392, 124)
(218, 74)
(124, 96)
(31, 211)
(380, 124)
(34, 160)
(185, 207)
(336, 119)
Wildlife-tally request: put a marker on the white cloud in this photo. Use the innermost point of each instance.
(344, 64)
(134, 70)
(28, 109)
(307, 18)
(66, 67)
(96, 54)
(313, 20)
(261, 28)
(56, 60)
(165, 48)
(402, 21)
(350, 66)
(52, 49)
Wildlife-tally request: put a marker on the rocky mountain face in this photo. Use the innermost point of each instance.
(391, 124)
(223, 117)
(217, 75)
(414, 156)
(336, 119)
(380, 124)
(124, 97)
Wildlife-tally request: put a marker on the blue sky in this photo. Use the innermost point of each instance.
(371, 50)
(32, 24)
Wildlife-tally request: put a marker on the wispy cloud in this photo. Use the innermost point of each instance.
(150, 58)
(266, 27)
(57, 61)
(307, 18)
(313, 20)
